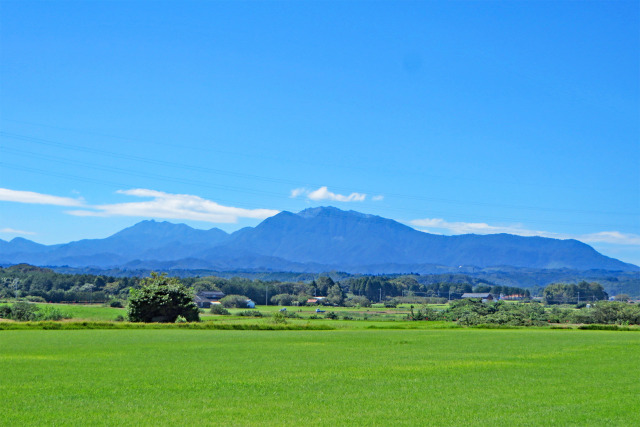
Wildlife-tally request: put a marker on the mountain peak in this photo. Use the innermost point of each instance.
(319, 236)
(324, 211)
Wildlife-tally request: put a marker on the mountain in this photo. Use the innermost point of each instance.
(313, 240)
(359, 242)
(147, 240)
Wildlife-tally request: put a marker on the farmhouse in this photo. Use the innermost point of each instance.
(485, 297)
(204, 299)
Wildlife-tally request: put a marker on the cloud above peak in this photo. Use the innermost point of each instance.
(323, 193)
(173, 206)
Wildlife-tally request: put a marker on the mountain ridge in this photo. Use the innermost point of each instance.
(321, 238)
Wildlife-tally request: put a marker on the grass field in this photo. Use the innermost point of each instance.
(341, 377)
(88, 312)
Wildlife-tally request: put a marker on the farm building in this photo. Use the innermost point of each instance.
(204, 299)
(514, 297)
(483, 296)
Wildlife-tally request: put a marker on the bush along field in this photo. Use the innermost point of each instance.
(471, 312)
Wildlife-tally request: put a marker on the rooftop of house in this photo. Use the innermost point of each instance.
(476, 295)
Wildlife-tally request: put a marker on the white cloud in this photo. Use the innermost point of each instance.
(377, 198)
(297, 192)
(14, 231)
(174, 206)
(323, 193)
(614, 237)
(7, 195)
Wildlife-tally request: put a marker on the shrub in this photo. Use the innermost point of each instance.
(35, 298)
(250, 313)
(331, 315)
(357, 301)
(234, 301)
(162, 299)
(180, 319)
(5, 312)
(278, 317)
(50, 313)
(116, 303)
(23, 311)
(425, 313)
(219, 309)
(119, 318)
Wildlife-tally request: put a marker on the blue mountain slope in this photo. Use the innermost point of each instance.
(317, 239)
(346, 239)
(145, 240)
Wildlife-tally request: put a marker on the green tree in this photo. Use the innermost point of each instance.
(161, 299)
(335, 295)
(234, 301)
(323, 284)
(282, 299)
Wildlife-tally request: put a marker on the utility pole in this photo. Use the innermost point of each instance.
(380, 294)
(266, 294)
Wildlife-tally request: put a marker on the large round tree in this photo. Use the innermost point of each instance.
(161, 299)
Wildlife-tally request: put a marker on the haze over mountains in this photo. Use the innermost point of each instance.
(313, 240)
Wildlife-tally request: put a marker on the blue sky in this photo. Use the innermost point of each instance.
(451, 117)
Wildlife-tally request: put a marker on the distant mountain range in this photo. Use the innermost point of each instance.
(313, 240)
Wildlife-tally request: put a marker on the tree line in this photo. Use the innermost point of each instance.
(42, 284)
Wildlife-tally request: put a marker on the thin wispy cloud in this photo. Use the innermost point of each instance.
(31, 197)
(323, 193)
(613, 237)
(14, 231)
(173, 206)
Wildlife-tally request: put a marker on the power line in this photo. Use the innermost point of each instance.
(313, 163)
(120, 185)
(192, 168)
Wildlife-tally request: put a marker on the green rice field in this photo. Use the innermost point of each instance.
(378, 377)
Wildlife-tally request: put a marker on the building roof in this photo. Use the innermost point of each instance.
(211, 294)
(476, 295)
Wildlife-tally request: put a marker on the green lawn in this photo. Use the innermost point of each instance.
(342, 377)
(304, 312)
(88, 312)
